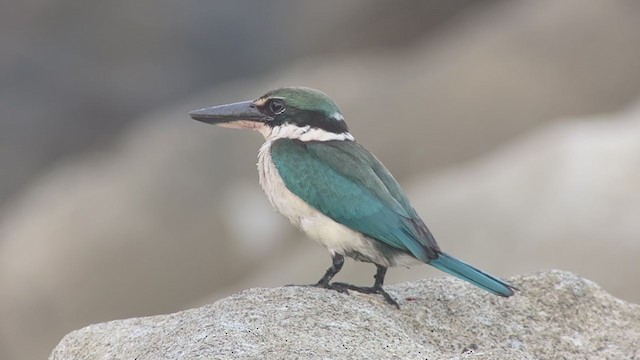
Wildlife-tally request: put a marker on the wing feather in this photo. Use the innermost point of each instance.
(348, 184)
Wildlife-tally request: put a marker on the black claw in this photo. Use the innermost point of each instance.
(339, 288)
(334, 286)
(369, 290)
(389, 299)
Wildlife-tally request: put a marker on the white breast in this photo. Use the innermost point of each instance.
(336, 237)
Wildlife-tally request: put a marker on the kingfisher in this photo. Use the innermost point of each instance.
(336, 191)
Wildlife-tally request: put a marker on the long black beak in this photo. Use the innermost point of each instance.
(241, 111)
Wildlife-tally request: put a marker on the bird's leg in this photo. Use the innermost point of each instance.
(336, 266)
(338, 261)
(375, 289)
(377, 285)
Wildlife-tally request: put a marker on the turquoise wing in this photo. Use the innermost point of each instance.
(348, 184)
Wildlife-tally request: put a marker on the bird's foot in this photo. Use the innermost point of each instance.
(339, 287)
(367, 290)
(344, 289)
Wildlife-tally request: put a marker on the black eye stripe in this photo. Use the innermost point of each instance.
(318, 120)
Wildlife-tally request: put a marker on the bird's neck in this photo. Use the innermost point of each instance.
(302, 133)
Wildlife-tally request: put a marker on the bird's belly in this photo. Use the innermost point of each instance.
(333, 235)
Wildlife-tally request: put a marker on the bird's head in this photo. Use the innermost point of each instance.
(292, 112)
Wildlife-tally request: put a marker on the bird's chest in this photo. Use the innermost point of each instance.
(282, 199)
(318, 226)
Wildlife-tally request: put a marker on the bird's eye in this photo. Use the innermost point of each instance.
(276, 106)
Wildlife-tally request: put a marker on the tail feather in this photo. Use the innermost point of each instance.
(475, 276)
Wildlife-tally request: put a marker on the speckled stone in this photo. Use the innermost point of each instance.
(554, 315)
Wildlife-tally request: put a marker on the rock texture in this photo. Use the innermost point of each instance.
(555, 315)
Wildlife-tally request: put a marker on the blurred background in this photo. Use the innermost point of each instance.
(513, 125)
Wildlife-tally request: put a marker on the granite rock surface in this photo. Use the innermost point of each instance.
(555, 314)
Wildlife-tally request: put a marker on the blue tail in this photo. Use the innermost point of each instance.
(468, 273)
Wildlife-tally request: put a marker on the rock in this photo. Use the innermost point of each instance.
(555, 314)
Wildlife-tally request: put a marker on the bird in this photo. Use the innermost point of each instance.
(338, 193)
